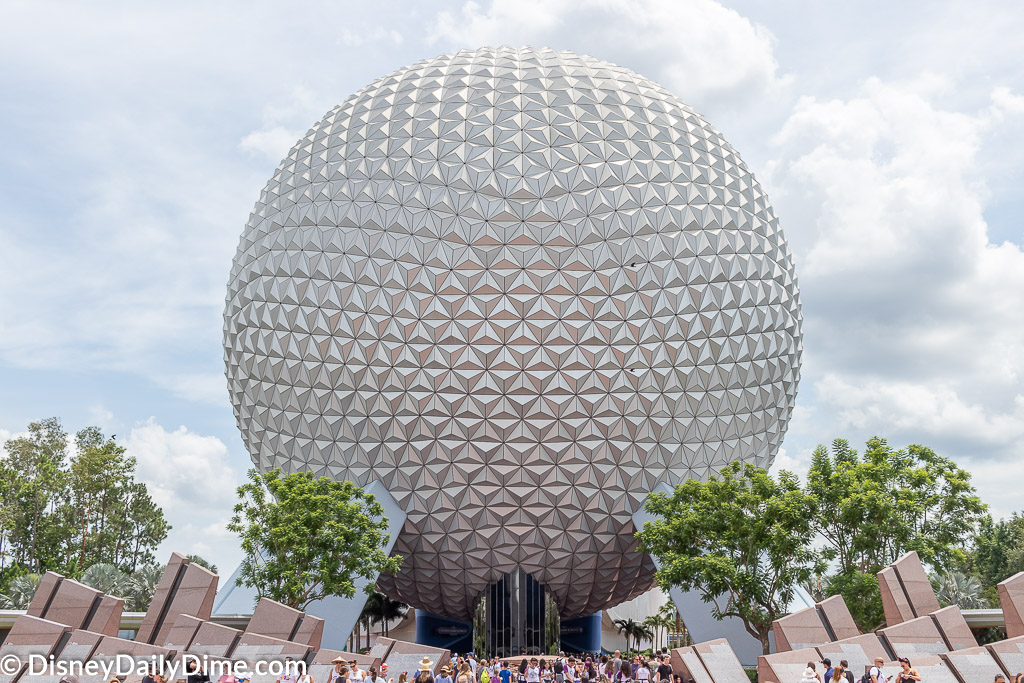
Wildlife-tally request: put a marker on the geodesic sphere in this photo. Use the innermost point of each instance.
(520, 288)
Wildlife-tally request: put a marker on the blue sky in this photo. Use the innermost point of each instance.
(137, 136)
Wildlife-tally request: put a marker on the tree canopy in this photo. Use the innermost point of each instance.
(743, 539)
(68, 504)
(306, 537)
(880, 505)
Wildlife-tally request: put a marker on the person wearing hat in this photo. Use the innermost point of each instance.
(809, 675)
(426, 674)
(339, 674)
(446, 675)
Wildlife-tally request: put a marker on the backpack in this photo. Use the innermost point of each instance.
(866, 678)
(484, 676)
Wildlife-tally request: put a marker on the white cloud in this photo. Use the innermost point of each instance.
(913, 328)
(357, 38)
(273, 142)
(698, 49)
(284, 122)
(202, 387)
(935, 409)
(191, 477)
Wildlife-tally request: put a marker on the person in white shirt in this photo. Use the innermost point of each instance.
(643, 674)
(336, 672)
(877, 676)
(533, 672)
(356, 674)
(288, 675)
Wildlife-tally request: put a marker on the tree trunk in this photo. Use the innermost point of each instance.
(765, 644)
(679, 629)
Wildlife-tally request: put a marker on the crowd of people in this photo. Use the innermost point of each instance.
(557, 669)
(614, 668)
(841, 673)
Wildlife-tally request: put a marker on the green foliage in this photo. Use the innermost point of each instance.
(380, 609)
(879, 506)
(633, 630)
(305, 537)
(20, 591)
(862, 596)
(742, 539)
(106, 578)
(65, 511)
(142, 586)
(202, 563)
(33, 482)
(957, 588)
(998, 551)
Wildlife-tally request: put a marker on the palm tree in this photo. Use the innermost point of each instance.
(653, 626)
(956, 588)
(626, 627)
(106, 578)
(815, 587)
(20, 591)
(380, 609)
(669, 618)
(142, 586)
(633, 630)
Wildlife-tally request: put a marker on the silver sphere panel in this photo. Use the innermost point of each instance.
(520, 288)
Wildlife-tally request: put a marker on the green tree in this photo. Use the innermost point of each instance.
(885, 503)
(633, 630)
(860, 591)
(141, 529)
(742, 539)
(880, 505)
(100, 471)
(65, 514)
(307, 537)
(33, 484)
(202, 563)
(957, 588)
(142, 586)
(20, 592)
(998, 552)
(670, 620)
(382, 610)
(107, 578)
(654, 625)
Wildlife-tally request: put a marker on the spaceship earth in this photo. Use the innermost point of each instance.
(520, 288)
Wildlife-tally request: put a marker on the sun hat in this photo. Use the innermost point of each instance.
(426, 664)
